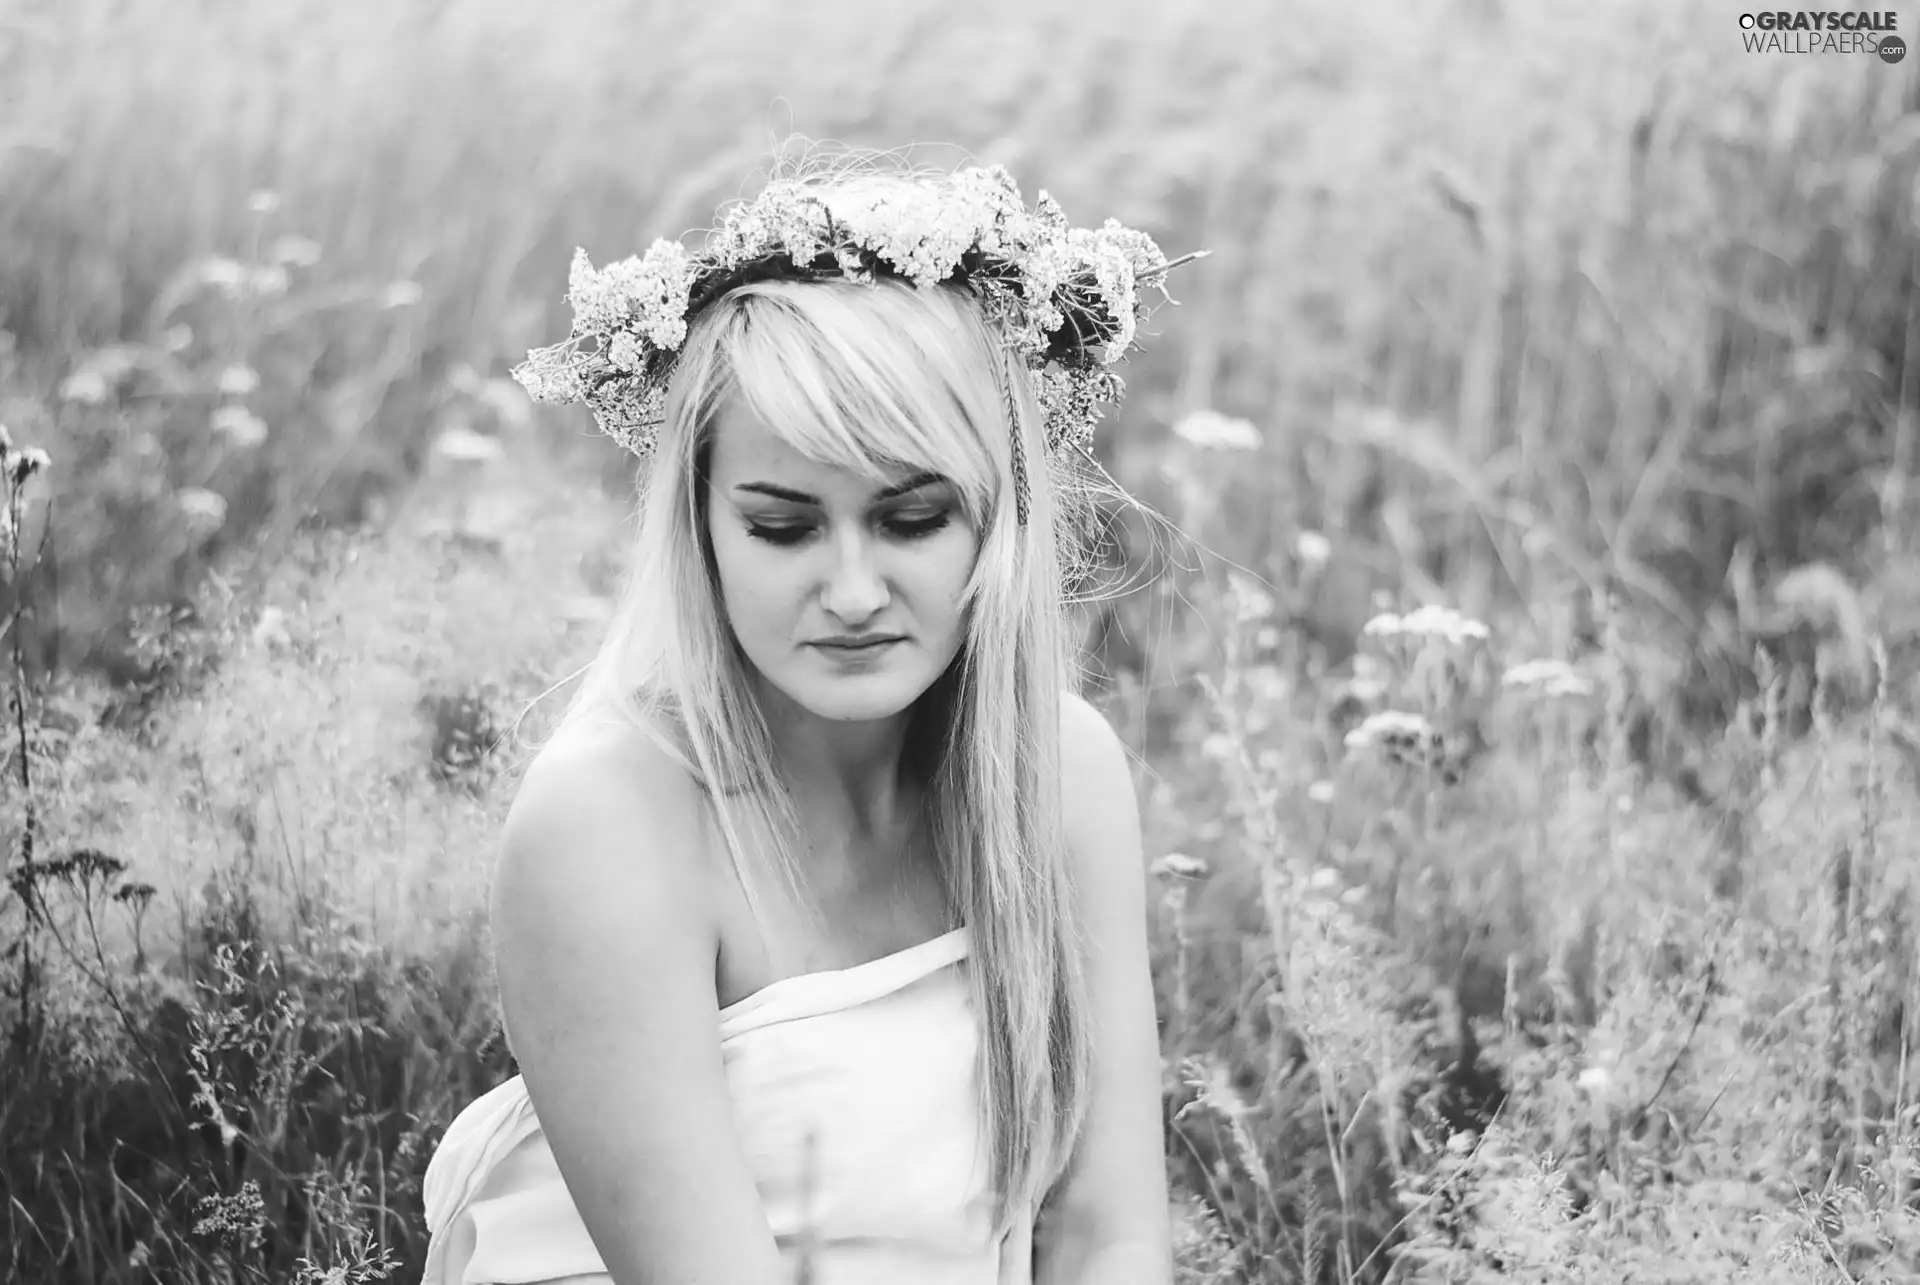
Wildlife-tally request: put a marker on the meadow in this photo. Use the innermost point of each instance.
(1522, 664)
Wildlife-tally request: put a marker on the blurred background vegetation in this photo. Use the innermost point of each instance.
(1577, 319)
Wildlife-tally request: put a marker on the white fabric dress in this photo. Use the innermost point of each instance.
(877, 1059)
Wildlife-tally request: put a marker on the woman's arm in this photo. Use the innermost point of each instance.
(605, 940)
(1107, 1222)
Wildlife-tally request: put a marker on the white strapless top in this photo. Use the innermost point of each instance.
(877, 1060)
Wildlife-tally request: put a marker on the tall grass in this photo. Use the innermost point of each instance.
(1587, 324)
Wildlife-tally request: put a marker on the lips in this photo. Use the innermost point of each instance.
(855, 645)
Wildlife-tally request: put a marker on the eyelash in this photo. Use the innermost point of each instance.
(791, 533)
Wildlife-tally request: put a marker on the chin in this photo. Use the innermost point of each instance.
(858, 700)
(856, 697)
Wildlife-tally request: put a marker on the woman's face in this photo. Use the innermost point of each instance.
(844, 596)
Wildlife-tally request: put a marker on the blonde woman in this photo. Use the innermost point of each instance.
(820, 921)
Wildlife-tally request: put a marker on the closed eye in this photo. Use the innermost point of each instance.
(901, 527)
(914, 528)
(779, 533)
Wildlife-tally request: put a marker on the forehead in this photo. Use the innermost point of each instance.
(746, 449)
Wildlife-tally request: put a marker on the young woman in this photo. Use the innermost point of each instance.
(820, 922)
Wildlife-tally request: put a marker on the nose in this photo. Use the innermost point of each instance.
(855, 590)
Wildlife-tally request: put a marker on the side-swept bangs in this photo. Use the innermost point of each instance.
(876, 379)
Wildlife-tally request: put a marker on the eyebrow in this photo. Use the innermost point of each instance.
(913, 483)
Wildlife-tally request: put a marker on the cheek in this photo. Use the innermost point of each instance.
(751, 587)
(946, 572)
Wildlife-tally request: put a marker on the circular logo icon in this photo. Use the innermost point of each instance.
(1746, 22)
(1892, 49)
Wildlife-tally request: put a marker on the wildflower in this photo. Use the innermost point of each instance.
(462, 445)
(1389, 727)
(85, 386)
(238, 380)
(624, 353)
(1178, 865)
(16, 466)
(1071, 403)
(1113, 277)
(1552, 678)
(1210, 430)
(178, 338)
(1595, 1080)
(1249, 601)
(996, 202)
(1321, 792)
(295, 251)
(1312, 548)
(923, 233)
(1529, 673)
(549, 375)
(263, 202)
(269, 281)
(21, 465)
(1427, 622)
(244, 428)
(205, 511)
(649, 295)
(234, 1221)
(1410, 740)
(1220, 747)
(225, 274)
(1444, 622)
(401, 294)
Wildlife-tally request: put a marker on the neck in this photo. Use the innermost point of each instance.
(849, 775)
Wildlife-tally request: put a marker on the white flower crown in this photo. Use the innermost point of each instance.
(1067, 299)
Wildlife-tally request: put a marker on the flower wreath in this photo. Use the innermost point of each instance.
(1066, 299)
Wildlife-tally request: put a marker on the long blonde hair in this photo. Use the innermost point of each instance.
(873, 378)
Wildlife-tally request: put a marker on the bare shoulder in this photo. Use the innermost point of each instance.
(605, 938)
(596, 754)
(602, 805)
(602, 845)
(1100, 811)
(1096, 766)
(1083, 726)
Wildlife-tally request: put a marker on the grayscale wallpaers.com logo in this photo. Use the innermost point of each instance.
(1823, 33)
